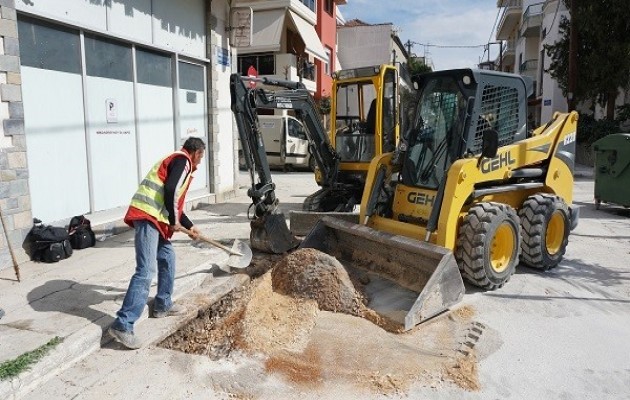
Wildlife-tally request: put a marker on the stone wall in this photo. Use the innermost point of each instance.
(15, 200)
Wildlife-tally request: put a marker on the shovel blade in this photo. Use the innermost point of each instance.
(236, 261)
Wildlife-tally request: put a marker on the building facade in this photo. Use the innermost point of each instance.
(524, 28)
(93, 93)
(286, 44)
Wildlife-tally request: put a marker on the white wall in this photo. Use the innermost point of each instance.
(364, 45)
(224, 132)
(552, 99)
(55, 139)
(177, 25)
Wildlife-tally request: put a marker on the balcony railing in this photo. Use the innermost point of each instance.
(510, 18)
(532, 20)
(528, 67)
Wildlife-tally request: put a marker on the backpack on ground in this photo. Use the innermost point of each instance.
(81, 233)
(48, 243)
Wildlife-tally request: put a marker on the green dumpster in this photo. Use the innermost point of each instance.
(612, 169)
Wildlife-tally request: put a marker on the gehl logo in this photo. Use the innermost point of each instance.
(500, 161)
(420, 198)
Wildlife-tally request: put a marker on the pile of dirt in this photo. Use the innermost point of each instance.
(311, 274)
(277, 319)
(273, 321)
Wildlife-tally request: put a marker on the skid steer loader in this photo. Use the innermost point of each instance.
(468, 192)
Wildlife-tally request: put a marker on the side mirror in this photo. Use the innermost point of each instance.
(489, 143)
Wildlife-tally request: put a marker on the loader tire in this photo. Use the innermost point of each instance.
(488, 245)
(545, 227)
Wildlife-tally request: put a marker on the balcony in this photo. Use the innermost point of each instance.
(532, 20)
(529, 68)
(510, 18)
(286, 69)
(509, 54)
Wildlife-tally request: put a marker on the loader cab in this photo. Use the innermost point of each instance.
(364, 114)
(456, 110)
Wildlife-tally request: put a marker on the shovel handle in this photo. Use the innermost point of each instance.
(212, 242)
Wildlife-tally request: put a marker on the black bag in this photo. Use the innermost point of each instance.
(81, 233)
(56, 251)
(49, 243)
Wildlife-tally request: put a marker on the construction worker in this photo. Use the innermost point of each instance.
(156, 212)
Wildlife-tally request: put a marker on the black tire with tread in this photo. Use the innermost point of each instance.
(475, 239)
(535, 215)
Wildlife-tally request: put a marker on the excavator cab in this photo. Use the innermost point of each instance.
(364, 117)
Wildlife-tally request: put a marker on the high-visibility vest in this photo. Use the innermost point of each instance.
(150, 194)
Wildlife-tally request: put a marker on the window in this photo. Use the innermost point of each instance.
(389, 112)
(264, 63)
(46, 46)
(107, 58)
(190, 76)
(328, 62)
(296, 130)
(309, 3)
(153, 68)
(328, 6)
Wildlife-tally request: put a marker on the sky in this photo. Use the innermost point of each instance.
(437, 23)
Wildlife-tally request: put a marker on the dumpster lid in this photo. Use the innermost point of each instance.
(614, 141)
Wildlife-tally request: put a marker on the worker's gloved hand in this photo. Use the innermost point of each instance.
(193, 233)
(177, 227)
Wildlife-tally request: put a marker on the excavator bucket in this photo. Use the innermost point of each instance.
(270, 234)
(410, 281)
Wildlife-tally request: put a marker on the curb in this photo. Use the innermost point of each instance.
(93, 337)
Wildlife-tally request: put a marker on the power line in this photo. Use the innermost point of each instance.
(494, 26)
(448, 46)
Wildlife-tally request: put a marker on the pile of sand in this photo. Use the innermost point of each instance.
(311, 274)
(278, 316)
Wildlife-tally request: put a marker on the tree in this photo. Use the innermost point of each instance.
(417, 66)
(603, 51)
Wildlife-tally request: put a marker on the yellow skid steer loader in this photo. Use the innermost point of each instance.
(468, 193)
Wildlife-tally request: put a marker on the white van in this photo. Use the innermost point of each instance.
(285, 142)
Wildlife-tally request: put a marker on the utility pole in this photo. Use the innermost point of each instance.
(408, 44)
(572, 57)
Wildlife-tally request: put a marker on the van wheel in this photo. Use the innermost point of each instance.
(545, 227)
(488, 245)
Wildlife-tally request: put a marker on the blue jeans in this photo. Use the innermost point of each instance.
(150, 247)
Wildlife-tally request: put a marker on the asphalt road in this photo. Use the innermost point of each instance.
(561, 334)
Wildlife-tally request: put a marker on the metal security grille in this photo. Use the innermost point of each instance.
(499, 111)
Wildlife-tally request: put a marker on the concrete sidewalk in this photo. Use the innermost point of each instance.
(76, 299)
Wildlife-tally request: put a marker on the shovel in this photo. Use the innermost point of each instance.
(240, 253)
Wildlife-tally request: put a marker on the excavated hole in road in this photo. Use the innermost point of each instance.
(308, 318)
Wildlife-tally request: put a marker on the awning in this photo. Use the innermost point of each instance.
(267, 30)
(309, 36)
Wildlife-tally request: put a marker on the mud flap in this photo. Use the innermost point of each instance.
(427, 271)
(271, 234)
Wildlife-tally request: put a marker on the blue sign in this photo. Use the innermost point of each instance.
(223, 56)
(547, 102)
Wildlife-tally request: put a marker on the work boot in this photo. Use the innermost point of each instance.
(127, 339)
(176, 309)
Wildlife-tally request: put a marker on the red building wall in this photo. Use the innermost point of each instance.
(326, 29)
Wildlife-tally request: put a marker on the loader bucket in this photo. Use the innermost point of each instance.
(270, 234)
(410, 280)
